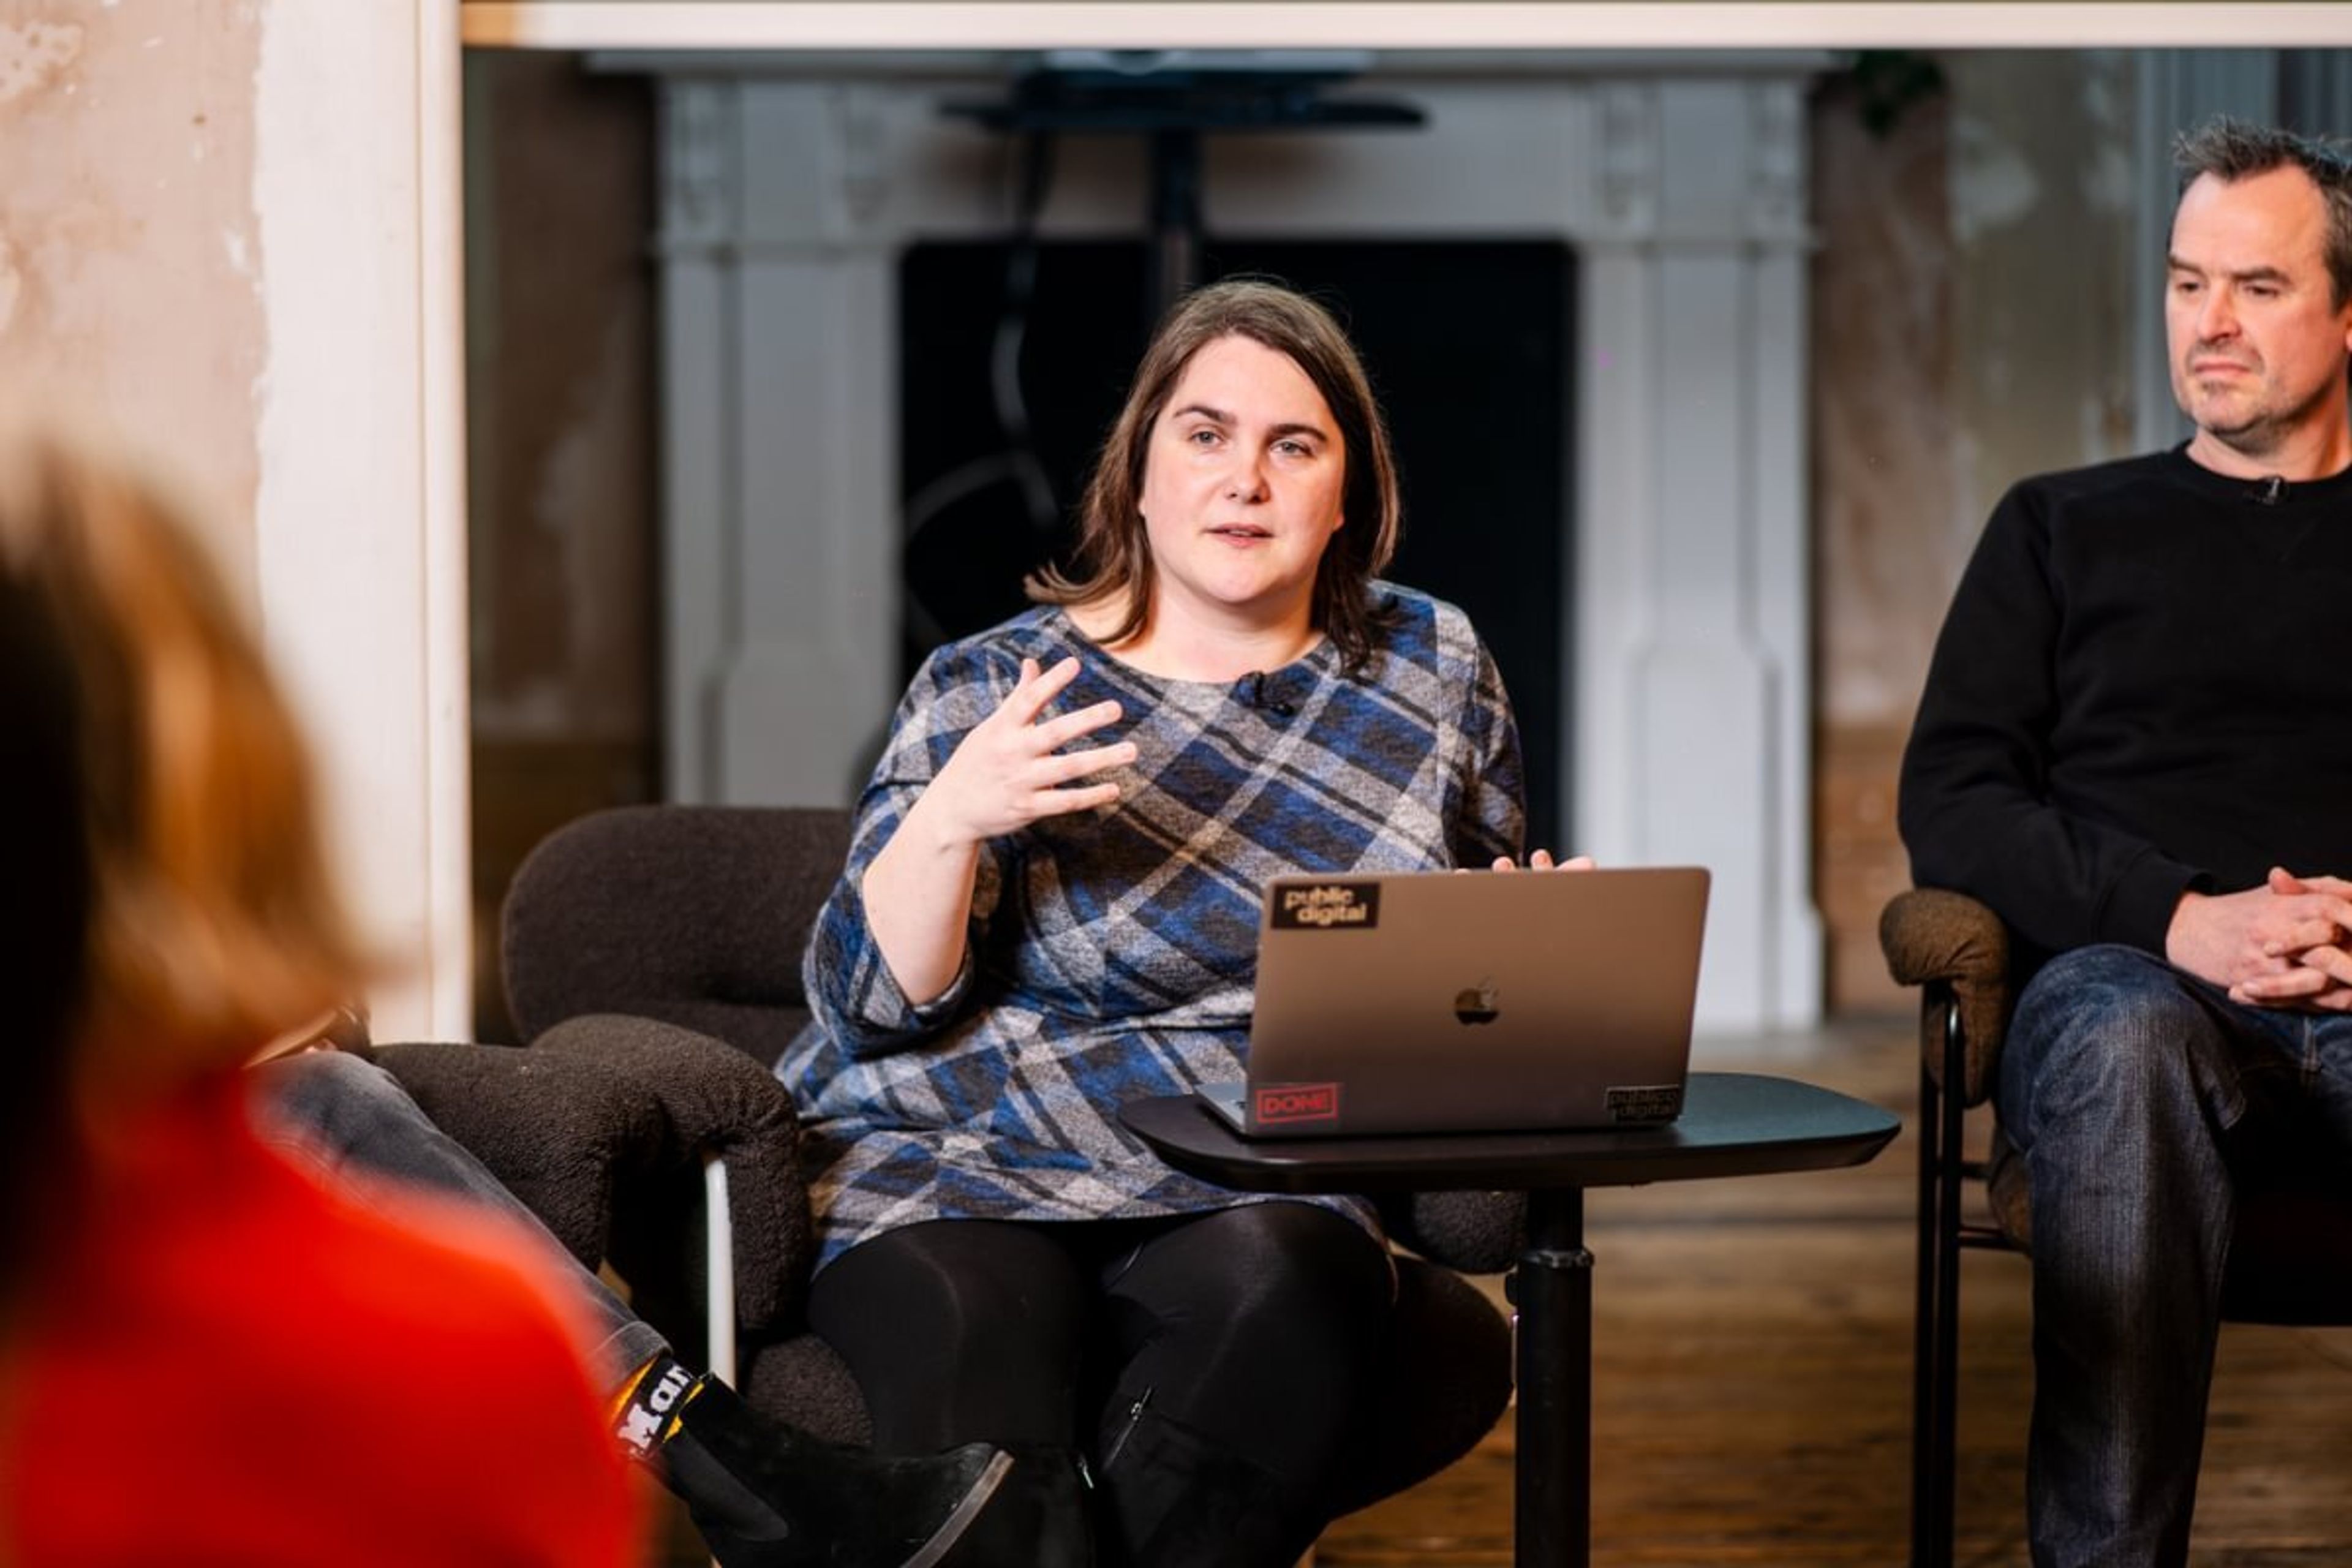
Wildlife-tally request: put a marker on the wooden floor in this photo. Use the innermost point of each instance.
(1752, 1383)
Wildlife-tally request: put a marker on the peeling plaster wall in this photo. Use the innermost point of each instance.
(2043, 220)
(1972, 325)
(130, 261)
(1885, 438)
(228, 232)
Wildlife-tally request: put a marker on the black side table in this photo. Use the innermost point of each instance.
(1733, 1124)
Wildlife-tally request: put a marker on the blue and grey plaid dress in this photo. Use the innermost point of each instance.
(1112, 953)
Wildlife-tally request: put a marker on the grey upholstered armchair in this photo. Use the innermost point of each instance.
(653, 960)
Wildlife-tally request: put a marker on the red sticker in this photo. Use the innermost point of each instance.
(1283, 1102)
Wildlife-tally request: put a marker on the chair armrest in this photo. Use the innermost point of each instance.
(802, 1380)
(553, 1131)
(1934, 937)
(1472, 1232)
(713, 1099)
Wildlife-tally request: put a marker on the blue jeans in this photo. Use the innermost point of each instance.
(350, 1121)
(2144, 1101)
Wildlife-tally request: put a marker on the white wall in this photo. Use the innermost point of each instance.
(359, 522)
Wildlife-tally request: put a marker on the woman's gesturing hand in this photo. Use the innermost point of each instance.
(1004, 775)
(1009, 770)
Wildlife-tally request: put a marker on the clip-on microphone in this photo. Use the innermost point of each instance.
(1254, 693)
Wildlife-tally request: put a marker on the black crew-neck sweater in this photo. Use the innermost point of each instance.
(2144, 686)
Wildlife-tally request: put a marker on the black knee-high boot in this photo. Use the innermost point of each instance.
(766, 1496)
(1170, 1498)
(1042, 1518)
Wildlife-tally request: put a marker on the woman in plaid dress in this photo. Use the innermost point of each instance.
(1051, 908)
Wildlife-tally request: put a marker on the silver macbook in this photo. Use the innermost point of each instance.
(1444, 1002)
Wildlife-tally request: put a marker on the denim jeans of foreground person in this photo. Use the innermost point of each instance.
(2144, 1100)
(763, 1493)
(350, 1121)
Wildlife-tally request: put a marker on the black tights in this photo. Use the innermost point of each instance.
(1256, 1327)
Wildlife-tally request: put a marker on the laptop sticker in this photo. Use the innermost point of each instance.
(1329, 906)
(1647, 1102)
(1275, 1104)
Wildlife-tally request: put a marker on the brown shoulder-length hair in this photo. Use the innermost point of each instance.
(213, 923)
(1113, 558)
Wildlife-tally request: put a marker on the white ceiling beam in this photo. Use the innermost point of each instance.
(1390, 25)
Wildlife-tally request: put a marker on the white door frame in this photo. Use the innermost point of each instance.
(360, 530)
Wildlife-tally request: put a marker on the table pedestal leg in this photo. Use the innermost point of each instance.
(1552, 1288)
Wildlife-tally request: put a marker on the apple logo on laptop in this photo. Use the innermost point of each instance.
(1478, 1004)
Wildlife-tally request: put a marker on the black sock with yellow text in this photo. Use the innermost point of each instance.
(647, 1409)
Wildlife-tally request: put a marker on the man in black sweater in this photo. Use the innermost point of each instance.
(2136, 745)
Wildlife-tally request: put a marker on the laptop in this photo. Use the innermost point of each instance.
(1444, 1002)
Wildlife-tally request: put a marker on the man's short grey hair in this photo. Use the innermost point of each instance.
(2231, 150)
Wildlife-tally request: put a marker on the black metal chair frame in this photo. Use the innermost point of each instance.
(1935, 1326)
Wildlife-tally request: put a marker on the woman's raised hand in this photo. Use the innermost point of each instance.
(1003, 775)
(1009, 771)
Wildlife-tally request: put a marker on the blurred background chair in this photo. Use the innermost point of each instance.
(652, 959)
(2290, 1263)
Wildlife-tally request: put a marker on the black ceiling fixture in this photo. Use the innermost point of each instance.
(1173, 98)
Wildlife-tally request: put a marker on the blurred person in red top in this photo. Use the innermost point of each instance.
(207, 1357)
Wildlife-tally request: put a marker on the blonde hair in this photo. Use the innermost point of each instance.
(213, 924)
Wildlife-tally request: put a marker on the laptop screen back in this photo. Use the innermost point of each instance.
(1443, 1001)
